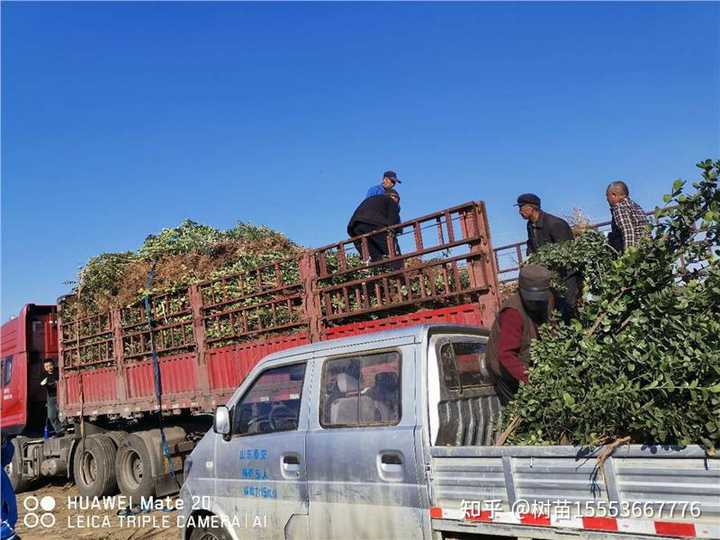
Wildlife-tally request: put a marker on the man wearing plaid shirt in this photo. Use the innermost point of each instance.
(629, 223)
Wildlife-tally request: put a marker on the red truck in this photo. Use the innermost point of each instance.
(208, 336)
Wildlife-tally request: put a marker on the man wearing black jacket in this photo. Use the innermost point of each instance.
(544, 228)
(50, 384)
(376, 212)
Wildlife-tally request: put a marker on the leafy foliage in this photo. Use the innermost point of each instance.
(589, 254)
(642, 359)
(180, 256)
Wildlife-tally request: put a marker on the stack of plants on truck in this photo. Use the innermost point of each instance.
(175, 258)
(641, 362)
(251, 285)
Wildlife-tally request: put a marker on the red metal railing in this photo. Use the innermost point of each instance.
(438, 260)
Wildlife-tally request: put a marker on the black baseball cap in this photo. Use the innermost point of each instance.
(392, 175)
(528, 198)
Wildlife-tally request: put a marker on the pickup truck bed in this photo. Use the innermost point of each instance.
(550, 492)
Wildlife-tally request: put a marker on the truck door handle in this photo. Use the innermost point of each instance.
(290, 466)
(391, 459)
(291, 460)
(390, 466)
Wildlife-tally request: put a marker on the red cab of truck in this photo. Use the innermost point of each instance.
(27, 340)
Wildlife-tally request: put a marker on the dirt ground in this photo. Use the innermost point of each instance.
(71, 518)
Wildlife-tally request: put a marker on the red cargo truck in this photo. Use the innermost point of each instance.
(208, 336)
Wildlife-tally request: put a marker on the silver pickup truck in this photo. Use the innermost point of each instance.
(389, 436)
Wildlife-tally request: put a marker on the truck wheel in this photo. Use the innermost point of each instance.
(94, 466)
(209, 533)
(14, 470)
(133, 468)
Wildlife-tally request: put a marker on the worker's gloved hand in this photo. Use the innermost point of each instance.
(43, 382)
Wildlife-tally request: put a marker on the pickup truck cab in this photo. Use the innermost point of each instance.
(387, 436)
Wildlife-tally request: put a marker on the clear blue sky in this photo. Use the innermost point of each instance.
(121, 119)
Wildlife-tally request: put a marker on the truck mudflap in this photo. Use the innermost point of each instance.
(620, 526)
(644, 491)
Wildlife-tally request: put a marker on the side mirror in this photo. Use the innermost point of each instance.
(221, 423)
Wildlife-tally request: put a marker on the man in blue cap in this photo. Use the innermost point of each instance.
(388, 183)
(544, 228)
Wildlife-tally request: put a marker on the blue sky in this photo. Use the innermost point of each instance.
(119, 119)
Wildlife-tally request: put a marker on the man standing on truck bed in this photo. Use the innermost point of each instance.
(508, 349)
(629, 223)
(544, 228)
(376, 212)
(388, 183)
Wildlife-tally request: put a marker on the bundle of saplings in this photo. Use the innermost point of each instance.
(179, 256)
(641, 362)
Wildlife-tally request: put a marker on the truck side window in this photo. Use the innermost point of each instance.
(361, 391)
(272, 403)
(462, 365)
(6, 370)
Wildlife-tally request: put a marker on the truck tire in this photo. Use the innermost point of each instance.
(94, 466)
(209, 533)
(134, 469)
(14, 469)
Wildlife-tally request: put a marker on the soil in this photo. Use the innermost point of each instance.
(75, 518)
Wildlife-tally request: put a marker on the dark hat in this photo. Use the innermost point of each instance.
(534, 282)
(528, 198)
(392, 175)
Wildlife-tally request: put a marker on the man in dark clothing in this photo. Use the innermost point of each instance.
(376, 212)
(50, 384)
(508, 349)
(544, 228)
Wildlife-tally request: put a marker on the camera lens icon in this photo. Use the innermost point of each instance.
(46, 504)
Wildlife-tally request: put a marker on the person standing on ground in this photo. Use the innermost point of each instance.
(508, 348)
(544, 228)
(388, 183)
(376, 212)
(8, 502)
(50, 384)
(629, 222)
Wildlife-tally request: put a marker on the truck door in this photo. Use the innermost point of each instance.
(13, 384)
(260, 471)
(362, 466)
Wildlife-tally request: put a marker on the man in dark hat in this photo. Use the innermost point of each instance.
(388, 182)
(544, 228)
(375, 212)
(508, 349)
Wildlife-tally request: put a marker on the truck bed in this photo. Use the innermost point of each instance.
(553, 491)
